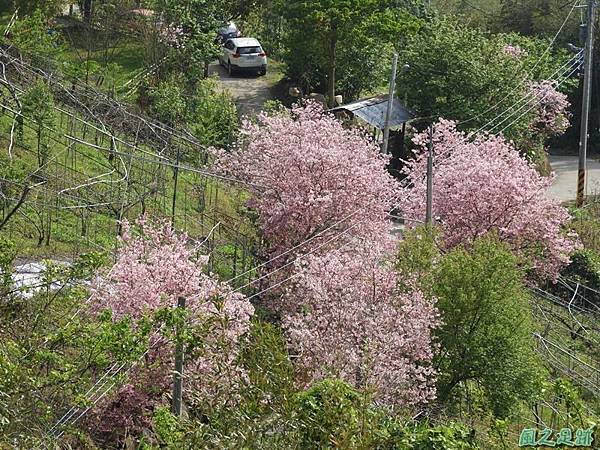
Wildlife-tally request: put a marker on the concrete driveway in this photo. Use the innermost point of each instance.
(249, 91)
(564, 187)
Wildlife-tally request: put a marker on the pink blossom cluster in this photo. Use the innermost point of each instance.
(311, 175)
(173, 35)
(151, 271)
(513, 50)
(353, 322)
(321, 182)
(481, 184)
(552, 112)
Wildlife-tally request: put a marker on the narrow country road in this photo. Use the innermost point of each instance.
(564, 187)
(249, 91)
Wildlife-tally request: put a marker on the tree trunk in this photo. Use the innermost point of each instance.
(22, 199)
(332, 63)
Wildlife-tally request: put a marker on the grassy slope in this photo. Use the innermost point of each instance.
(66, 235)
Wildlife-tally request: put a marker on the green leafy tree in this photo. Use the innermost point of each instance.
(482, 14)
(266, 22)
(48, 8)
(336, 45)
(32, 36)
(486, 342)
(187, 32)
(538, 18)
(461, 73)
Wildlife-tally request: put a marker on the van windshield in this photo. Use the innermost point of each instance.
(249, 50)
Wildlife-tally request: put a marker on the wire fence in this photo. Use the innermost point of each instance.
(68, 182)
(569, 338)
(95, 163)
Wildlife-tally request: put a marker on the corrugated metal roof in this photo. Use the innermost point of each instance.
(372, 110)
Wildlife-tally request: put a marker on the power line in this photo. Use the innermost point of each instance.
(573, 63)
(496, 105)
(536, 103)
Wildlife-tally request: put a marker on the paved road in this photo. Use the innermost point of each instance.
(249, 91)
(564, 187)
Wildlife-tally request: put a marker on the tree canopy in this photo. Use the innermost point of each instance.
(485, 336)
(483, 185)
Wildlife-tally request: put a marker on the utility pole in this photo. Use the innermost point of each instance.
(429, 210)
(178, 375)
(388, 113)
(585, 103)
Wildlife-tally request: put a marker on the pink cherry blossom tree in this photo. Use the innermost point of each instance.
(481, 184)
(173, 35)
(308, 174)
(152, 269)
(342, 311)
(353, 322)
(514, 51)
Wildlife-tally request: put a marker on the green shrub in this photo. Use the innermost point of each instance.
(443, 437)
(585, 269)
(207, 110)
(425, 436)
(212, 115)
(332, 414)
(586, 223)
(167, 103)
(168, 429)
